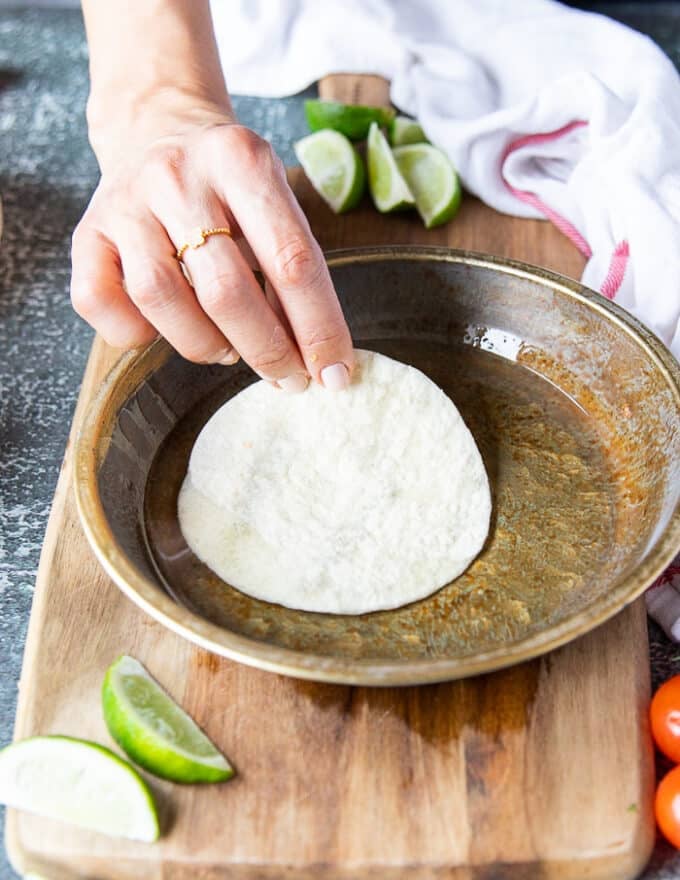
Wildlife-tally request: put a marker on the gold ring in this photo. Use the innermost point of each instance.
(197, 238)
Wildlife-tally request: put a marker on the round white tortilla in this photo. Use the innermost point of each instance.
(341, 503)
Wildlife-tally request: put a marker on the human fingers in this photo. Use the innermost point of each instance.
(157, 286)
(277, 308)
(254, 186)
(98, 294)
(228, 293)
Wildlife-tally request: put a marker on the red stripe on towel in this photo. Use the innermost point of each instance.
(617, 269)
(619, 260)
(529, 198)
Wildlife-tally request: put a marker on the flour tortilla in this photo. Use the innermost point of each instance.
(341, 503)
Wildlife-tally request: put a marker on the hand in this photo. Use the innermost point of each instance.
(196, 167)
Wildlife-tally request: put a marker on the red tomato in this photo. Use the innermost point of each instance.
(665, 718)
(667, 806)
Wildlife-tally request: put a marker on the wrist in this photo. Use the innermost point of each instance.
(121, 122)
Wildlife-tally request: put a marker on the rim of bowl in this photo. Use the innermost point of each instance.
(152, 599)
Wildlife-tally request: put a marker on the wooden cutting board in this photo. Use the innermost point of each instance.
(540, 771)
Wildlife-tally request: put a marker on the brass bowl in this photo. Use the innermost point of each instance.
(575, 407)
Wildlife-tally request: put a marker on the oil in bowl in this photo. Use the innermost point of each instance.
(553, 523)
(575, 408)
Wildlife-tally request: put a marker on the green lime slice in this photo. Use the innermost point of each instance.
(404, 130)
(78, 782)
(389, 189)
(152, 729)
(352, 120)
(334, 168)
(433, 181)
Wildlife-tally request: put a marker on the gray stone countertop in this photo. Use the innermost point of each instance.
(47, 174)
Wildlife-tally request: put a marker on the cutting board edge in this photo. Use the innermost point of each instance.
(623, 865)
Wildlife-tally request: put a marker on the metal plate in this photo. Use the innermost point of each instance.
(575, 407)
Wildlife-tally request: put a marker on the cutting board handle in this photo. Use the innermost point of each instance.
(355, 88)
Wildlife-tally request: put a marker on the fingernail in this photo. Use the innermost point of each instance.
(335, 377)
(229, 357)
(293, 384)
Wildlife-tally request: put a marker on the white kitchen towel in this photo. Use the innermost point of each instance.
(545, 111)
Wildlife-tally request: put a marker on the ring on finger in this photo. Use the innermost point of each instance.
(198, 236)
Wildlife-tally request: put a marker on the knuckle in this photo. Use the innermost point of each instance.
(271, 361)
(85, 234)
(296, 264)
(221, 295)
(150, 287)
(254, 151)
(334, 334)
(84, 298)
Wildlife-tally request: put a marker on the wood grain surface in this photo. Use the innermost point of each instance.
(540, 771)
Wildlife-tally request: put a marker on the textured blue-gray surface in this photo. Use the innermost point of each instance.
(47, 174)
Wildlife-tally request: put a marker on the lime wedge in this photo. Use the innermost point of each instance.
(78, 782)
(389, 189)
(152, 729)
(334, 168)
(433, 181)
(404, 130)
(352, 120)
